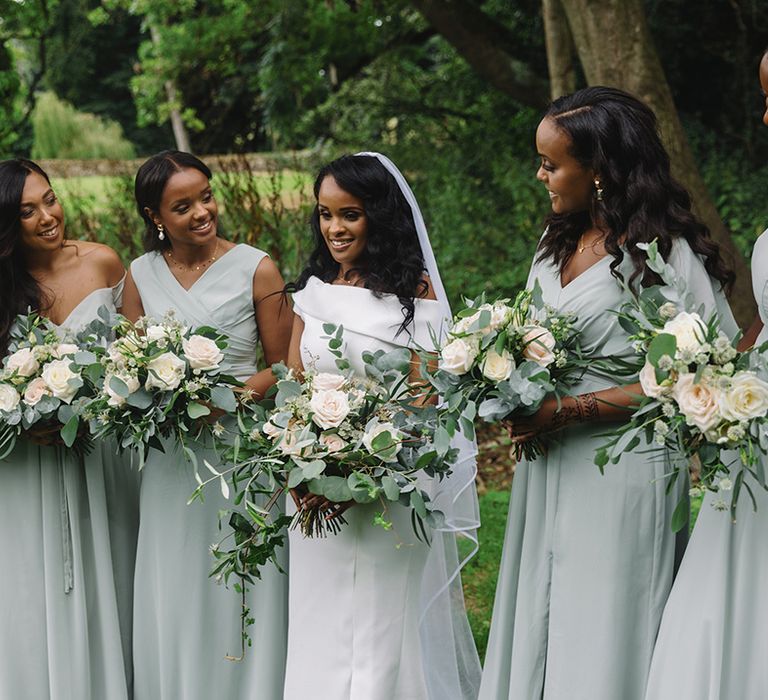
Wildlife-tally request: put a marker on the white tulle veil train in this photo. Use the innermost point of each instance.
(451, 662)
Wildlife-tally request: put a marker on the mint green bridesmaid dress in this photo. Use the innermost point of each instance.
(713, 642)
(68, 527)
(588, 559)
(185, 623)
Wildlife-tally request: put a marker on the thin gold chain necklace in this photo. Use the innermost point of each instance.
(198, 267)
(582, 248)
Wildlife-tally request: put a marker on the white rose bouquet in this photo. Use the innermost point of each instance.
(335, 435)
(158, 379)
(45, 382)
(702, 396)
(501, 358)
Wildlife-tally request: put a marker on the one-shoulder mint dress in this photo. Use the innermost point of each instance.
(68, 529)
(185, 623)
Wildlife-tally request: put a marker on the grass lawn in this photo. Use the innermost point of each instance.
(479, 575)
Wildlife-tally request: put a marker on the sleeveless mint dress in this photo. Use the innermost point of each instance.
(713, 642)
(185, 624)
(588, 559)
(68, 528)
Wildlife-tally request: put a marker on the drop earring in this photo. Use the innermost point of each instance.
(599, 190)
(160, 232)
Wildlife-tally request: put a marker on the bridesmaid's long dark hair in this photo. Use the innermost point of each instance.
(616, 135)
(19, 291)
(393, 262)
(151, 179)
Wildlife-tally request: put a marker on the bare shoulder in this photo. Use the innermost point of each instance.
(102, 257)
(267, 278)
(429, 292)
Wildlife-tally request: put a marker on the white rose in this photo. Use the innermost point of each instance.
(332, 442)
(464, 324)
(165, 372)
(271, 430)
(697, 402)
(539, 345)
(746, 398)
(156, 333)
(499, 315)
(688, 329)
(648, 381)
(130, 380)
(57, 376)
(497, 367)
(23, 362)
(390, 454)
(9, 398)
(35, 391)
(63, 349)
(458, 356)
(324, 381)
(330, 408)
(202, 352)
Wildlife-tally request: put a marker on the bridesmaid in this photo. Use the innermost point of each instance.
(375, 614)
(589, 559)
(185, 624)
(66, 560)
(713, 643)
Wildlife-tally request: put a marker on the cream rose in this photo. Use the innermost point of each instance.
(688, 329)
(648, 381)
(390, 454)
(63, 349)
(746, 398)
(332, 442)
(458, 356)
(202, 352)
(499, 315)
(539, 345)
(9, 398)
(57, 376)
(271, 430)
(324, 381)
(35, 391)
(497, 367)
(165, 372)
(697, 402)
(329, 408)
(130, 380)
(23, 362)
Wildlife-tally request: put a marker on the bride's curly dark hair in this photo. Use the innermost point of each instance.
(393, 262)
(616, 136)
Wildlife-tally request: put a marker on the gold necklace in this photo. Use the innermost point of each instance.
(341, 278)
(592, 245)
(198, 267)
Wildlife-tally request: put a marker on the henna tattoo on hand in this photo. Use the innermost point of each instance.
(566, 415)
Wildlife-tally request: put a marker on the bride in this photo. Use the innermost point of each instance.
(376, 614)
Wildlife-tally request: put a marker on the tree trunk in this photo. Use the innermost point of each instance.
(616, 49)
(487, 46)
(560, 49)
(180, 134)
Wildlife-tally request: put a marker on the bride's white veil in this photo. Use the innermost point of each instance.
(450, 657)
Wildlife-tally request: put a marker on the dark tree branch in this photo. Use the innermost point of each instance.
(487, 46)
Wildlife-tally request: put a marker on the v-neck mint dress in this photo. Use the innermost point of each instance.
(185, 623)
(713, 641)
(588, 559)
(68, 528)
